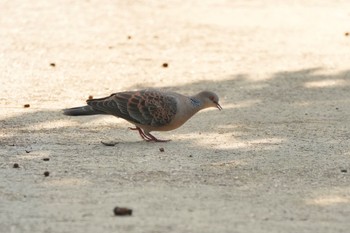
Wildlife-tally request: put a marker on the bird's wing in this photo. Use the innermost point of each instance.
(147, 107)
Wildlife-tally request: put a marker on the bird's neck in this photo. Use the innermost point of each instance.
(196, 104)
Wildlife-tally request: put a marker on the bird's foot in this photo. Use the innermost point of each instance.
(147, 137)
(142, 134)
(154, 139)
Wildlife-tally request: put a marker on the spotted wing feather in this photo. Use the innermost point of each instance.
(142, 107)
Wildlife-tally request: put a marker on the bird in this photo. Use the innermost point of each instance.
(149, 109)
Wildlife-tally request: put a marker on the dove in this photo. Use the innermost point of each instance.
(149, 110)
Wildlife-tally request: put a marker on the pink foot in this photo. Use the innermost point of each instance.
(147, 137)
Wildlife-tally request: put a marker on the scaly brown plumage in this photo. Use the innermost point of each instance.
(150, 109)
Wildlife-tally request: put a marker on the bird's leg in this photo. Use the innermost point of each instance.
(147, 136)
(154, 139)
(142, 134)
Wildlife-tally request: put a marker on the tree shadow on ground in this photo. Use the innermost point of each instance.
(294, 124)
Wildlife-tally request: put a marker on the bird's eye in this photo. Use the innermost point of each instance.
(211, 98)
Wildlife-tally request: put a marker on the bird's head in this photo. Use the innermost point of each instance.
(209, 99)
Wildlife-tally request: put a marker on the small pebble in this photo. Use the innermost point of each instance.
(129, 37)
(190, 156)
(46, 173)
(46, 159)
(347, 34)
(165, 65)
(90, 97)
(344, 170)
(15, 165)
(26, 105)
(52, 64)
(161, 149)
(122, 211)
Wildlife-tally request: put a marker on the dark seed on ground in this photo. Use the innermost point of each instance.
(165, 65)
(26, 105)
(52, 64)
(46, 173)
(46, 159)
(109, 143)
(161, 149)
(15, 165)
(122, 211)
(344, 170)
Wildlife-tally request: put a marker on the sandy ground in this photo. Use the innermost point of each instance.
(277, 159)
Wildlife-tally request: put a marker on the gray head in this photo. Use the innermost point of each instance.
(209, 99)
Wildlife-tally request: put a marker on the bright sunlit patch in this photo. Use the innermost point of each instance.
(233, 144)
(214, 140)
(232, 163)
(303, 104)
(228, 141)
(263, 143)
(271, 141)
(68, 182)
(241, 104)
(326, 83)
(328, 200)
(54, 124)
(36, 155)
(109, 120)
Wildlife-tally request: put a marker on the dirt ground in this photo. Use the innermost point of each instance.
(276, 159)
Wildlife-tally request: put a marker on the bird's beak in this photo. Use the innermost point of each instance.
(218, 106)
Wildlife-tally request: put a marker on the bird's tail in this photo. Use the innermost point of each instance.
(81, 111)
